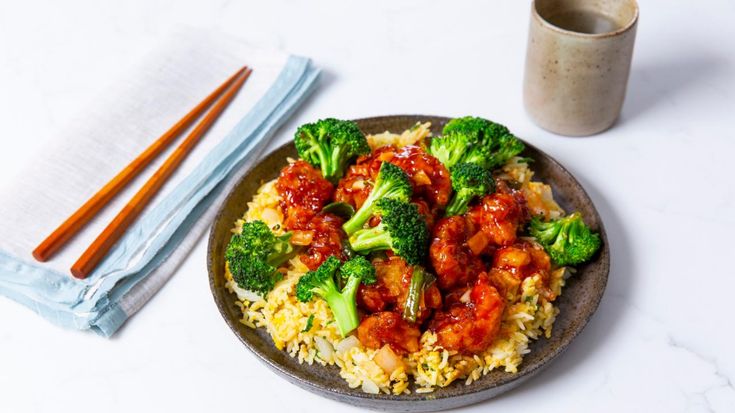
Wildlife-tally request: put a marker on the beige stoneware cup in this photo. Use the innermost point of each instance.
(577, 63)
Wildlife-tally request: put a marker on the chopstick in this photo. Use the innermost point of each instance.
(79, 219)
(112, 233)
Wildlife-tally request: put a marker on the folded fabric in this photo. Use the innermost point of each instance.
(126, 119)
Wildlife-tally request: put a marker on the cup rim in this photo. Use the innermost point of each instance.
(617, 32)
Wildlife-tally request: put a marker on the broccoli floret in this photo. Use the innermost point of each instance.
(449, 149)
(476, 129)
(402, 229)
(468, 181)
(490, 144)
(330, 144)
(254, 255)
(502, 149)
(392, 183)
(358, 267)
(342, 303)
(568, 240)
(479, 154)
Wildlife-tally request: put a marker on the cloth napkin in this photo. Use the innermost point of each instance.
(123, 121)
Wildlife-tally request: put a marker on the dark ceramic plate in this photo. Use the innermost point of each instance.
(578, 302)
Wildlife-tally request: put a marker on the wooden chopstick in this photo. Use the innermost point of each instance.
(46, 249)
(112, 233)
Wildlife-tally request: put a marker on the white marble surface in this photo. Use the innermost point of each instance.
(662, 339)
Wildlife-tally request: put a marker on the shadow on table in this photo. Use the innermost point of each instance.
(656, 84)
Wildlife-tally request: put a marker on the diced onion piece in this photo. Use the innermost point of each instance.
(299, 237)
(271, 217)
(387, 359)
(346, 344)
(465, 298)
(478, 242)
(421, 178)
(326, 352)
(368, 386)
(358, 184)
(245, 295)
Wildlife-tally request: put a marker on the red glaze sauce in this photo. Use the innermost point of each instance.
(499, 216)
(326, 241)
(431, 180)
(453, 262)
(304, 192)
(471, 327)
(389, 328)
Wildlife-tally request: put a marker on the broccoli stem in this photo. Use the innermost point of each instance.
(338, 162)
(277, 259)
(366, 210)
(344, 307)
(391, 183)
(324, 160)
(282, 251)
(322, 152)
(359, 219)
(371, 239)
(458, 204)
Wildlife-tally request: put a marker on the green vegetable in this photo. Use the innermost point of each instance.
(309, 324)
(322, 282)
(526, 159)
(475, 140)
(254, 255)
(392, 183)
(420, 280)
(358, 268)
(449, 149)
(568, 240)
(402, 229)
(493, 145)
(330, 144)
(496, 153)
(469, 181)
(341, 209)
(476, 129)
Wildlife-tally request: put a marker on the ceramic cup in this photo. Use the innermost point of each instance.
(577, 63)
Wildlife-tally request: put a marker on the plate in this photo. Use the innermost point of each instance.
(577, 304)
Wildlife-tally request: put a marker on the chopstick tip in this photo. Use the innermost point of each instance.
(39, 255)
(78, 273)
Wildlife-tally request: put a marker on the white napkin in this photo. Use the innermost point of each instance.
(126, 119)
